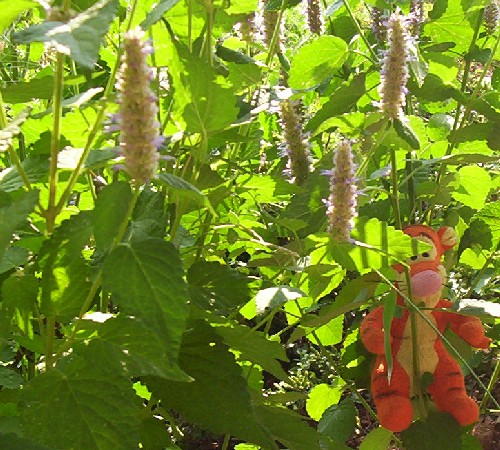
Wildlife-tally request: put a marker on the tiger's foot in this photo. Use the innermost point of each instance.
(395, 413)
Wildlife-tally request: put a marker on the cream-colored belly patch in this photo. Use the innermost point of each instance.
(426, 337)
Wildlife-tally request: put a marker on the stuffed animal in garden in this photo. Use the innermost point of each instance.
(427, 275)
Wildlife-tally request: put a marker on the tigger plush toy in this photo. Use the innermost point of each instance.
(427, 275)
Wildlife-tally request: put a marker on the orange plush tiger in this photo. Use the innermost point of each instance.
(427, 276)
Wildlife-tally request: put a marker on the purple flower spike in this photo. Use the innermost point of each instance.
(341, 204)
(139, 133)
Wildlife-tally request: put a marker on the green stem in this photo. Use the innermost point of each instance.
(209, 35)
(51, 212)
(276, 34)
(395, 189)
(12, 153)
(493, 380)
(190, 25)
(225, 444)
(360, 30)
(50, 336)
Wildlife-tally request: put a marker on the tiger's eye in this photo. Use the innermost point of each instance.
(425, 255)
(414, 257)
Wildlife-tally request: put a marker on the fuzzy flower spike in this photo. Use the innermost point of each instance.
(395, 71)
(139, 128)
(341, 204)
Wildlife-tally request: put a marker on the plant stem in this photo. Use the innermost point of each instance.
(50, 336)
(360, 30)
(276, 34)
(12, 153)
(52, 211)
(493, 380)
(225, 444)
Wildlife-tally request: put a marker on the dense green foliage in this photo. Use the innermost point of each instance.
(212, 304)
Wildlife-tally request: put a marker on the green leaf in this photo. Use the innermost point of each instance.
(288, 428)
(65, 280)
(340, 102)
(490, 215)
(11, 10)
(185, 189)
(84, 402)
(253, 346)
(111, 209)
(155, 436)
(388, 315)
(217, 287)
(13, 213)
(22, 92)
(440, 430)
(377, 439)
(479, 308)
(140, 349)
(321, 397)
(19, 296)
(354, 294)
(329, 333)
(339, 421)
(472, 187)
(147, 279)
(12, 441)
(217, 399)
(275, 297)
(10, 379)
(81, 37)
(157, 13)
(13, 257)
(316, 61)
(35, 168)
(405, 132)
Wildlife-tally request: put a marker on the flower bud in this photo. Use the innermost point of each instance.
(491, 16)
(314, 19)
(394, 73)
(378, 27)
(139, 138)
(341, 204)
(297, 145)
(416, 17)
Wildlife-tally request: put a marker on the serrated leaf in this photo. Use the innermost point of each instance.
(111, 208)
(80, 38)
(19, 296)
(473, 185)
(13, 257)
(377, 439)
(23, 92)
(218, 287)
(253, 346)
(275, 297)
(490, 215)
(316, 61)
(321, 397)
(146, 279)
(157, 13)
(217, 399)
(13, 213)
(405, 132)
(478, 308)
(10, 379)
(65, 278)
(11, 10)
(84, 402)
(35, 168)
(288, 428)
(440, 430)
(185, 189)
(141, 349)
(339, 421)
(354, 294)
(11, 441)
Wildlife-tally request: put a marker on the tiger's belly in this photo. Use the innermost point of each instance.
(426, 338)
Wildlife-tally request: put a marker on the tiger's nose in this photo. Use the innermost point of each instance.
(426, 283)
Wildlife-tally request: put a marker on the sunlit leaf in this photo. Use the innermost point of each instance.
(316, 61)
(321, 397)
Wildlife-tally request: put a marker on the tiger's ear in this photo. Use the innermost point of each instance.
(448, 237)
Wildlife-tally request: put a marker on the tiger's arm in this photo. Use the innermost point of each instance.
(372, 333)
(469, 328)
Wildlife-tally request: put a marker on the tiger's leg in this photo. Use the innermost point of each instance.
(448, 391)
(394, 408)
